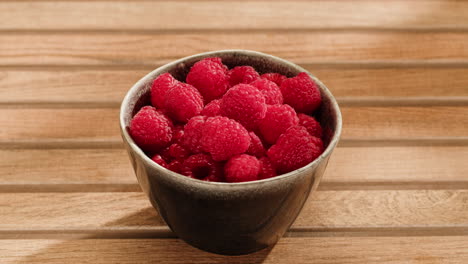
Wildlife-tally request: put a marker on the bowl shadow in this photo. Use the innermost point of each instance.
(135, 244)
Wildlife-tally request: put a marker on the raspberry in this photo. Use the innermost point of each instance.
(159, 160)
(182, 102)
(177, 134)
(312, 126)
(302, 93)
(175, 152)
(278, 119)
(160, 86)
(270, 90)
(266, 169)
(274, 77)
(150, 129)
(193, 134)
(175, 166)
(294, 149)
(210, 77)
(165, 155)
(211, 109)
(256, 147)
(223, 138)
(245, 104)
(242, 168)
(242, 74)
(202, 167)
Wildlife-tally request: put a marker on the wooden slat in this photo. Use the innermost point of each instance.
(404, 122)
(67, 86)
(165, 15)
(377, 165)
(59, 124)
(320, 250)
(65, 166)
(382, 123)
(300, 47)
(325, 210)
(397, 164)
(385, 209)
(395, 82)
(110, 86)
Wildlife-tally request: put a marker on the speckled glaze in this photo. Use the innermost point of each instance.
(228, 218)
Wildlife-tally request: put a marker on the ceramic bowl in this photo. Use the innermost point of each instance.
(228, 218)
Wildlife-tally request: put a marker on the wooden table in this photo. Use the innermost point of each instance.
(395, 191)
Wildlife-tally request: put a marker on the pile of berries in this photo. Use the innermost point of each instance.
(230, 125)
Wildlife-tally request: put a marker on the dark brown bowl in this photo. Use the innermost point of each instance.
(228, 218)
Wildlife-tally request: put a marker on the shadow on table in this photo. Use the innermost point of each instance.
(135, 246)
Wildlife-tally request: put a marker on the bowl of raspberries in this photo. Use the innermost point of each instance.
(228, 145)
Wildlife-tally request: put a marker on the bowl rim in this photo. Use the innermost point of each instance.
(138, 151)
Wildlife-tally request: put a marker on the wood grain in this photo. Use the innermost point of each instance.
(388, 83)
(300, 47)
(65, 166)
(404, 122)
(321, 250)
(397, 164)
(59, 124)
(325, 210)
(84, 86)
(109, 86)
(165, 15)
(360, 123)
(399, 69)
(48, 168)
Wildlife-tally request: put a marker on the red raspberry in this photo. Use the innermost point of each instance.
(210, 77)
(175, 152)
(183, 102)
(202, 167)
(193, 133)
(178, 134)
(242, 74)
(294, 149)
(160, 86)
(278, 119)
(270, 90)
(312, 126)
(242, 168)
(165, 155)
(256, 147)
(159, 160)
(245, 104)
(266, 169)
(150, 129)
(274, 77)
(211, 109)
(223, 138)
(302, 93)
(175, 166)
